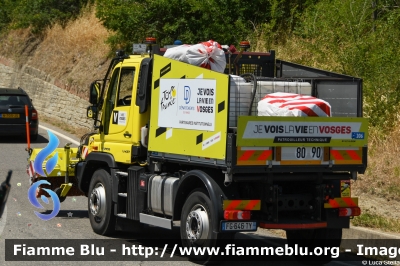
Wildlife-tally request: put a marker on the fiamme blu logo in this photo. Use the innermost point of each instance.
(50, 165)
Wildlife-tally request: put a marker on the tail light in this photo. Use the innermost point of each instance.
(34, 114)
(237, 215)
(353, 211)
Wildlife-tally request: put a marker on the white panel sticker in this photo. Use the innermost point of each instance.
(168, 133)
(119, 118)
(211, 140)
(187, 104)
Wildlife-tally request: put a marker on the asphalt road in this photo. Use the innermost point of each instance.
(20, 222)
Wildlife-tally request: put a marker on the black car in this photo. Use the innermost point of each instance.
(12, 113)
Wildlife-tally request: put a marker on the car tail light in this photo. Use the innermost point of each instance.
(237, 215)
(34, 114)
(353, 211)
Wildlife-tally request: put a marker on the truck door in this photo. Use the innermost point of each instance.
(118, 115)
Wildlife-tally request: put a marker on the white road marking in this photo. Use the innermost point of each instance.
(61, 135)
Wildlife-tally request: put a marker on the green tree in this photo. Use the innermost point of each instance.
(6, 7)
(361, 40)
(191, 21)
(38, 14)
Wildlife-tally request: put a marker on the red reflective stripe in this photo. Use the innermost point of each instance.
(233, 205)
(349, 202)
(353, 155)
(337, 155)
(334, 203)
(251, 204)
(246, 155)
(264, 155)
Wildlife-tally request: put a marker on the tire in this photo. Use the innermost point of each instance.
(197, 223)
(100, 207)
(312, 238)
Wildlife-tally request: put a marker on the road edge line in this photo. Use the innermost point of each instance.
(60, 134)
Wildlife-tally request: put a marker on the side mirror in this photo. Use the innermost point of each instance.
(91, 112)
(94, 93)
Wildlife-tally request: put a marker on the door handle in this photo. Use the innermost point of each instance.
(127, 135)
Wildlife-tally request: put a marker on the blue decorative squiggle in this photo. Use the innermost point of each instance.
(43, 154)
(32, 198)
(50, 165)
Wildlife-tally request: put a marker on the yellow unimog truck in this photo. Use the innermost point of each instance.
(178, 142)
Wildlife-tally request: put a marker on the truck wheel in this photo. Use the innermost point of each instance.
(315, 238)
(197, 223)
(100, 206)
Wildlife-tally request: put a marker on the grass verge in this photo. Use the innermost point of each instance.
(375, 221)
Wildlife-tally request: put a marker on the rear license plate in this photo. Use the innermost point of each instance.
(9, 115)
(239, 226)
(302, 153)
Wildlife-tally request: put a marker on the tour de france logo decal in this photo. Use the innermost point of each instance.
(50, 165)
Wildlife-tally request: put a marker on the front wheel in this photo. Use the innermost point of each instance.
(197, 223)
(100, 205)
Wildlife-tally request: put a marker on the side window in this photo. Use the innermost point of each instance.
(111, 95)
(112, 91)
(125, 87)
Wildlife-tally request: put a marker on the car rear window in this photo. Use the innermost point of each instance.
(16, 100)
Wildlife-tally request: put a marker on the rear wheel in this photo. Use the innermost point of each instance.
(197, 223)
(315, 240)
(100, 206)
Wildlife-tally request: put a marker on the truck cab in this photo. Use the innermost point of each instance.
(121, 121)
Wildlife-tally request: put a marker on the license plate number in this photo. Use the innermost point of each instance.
(9, 115)
(239, 226)
(302, 153)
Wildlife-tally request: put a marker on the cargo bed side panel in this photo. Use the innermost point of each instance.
(189, 110)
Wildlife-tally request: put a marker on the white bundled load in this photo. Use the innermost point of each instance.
(206, 54)
(178, 53)
(291, 104)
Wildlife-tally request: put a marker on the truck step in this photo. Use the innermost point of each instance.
(122, 215)
(156, 221)
(123, 195)
(122, 173)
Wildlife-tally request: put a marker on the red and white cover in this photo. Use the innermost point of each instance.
(30, 170)
(206, 54)
(291, 104)
(178, 53)
(85, 152)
